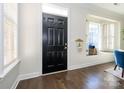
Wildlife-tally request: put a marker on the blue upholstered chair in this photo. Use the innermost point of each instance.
(119, 60)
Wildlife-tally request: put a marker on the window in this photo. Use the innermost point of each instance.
(93, 38)
(10, 33)
(108, 37)
(94, 29)
(101, 35)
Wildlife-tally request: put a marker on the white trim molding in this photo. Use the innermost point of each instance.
(24, 77)
(37, 74)
(9, 68)
(29, 76)
(73, 67)
(1, 39)
(15, 84)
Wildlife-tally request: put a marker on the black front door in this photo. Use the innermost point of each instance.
(54, 43)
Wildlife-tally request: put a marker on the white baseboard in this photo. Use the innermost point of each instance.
(37, 74)
(29, 76)
(73, 67)
(15, 84)
(54, 72)
(24, 77)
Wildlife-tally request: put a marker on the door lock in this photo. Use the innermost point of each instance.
(65, 46)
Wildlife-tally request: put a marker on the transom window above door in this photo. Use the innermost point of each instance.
(54, 9)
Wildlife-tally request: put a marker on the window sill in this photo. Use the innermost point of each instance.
(9, 68)
(107, 51)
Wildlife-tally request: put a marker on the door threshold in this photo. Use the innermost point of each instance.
(54, 72)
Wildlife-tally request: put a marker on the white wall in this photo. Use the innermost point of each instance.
(30, 38)
(78, 14)
(30, 34)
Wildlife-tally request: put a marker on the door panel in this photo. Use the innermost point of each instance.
(54, 43)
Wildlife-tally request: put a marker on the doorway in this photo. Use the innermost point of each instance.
(54, 43)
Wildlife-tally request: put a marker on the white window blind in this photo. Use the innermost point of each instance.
(108, 37)
(10, 33)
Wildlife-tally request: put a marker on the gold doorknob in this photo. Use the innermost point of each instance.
(65, 47)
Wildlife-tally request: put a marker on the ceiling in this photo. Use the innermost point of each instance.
(119, 8)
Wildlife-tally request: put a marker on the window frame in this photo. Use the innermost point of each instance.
(4, 68)
(1, 41)
(12, 21)
(101, 21)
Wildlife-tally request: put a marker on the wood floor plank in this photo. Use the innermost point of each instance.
(92, 77)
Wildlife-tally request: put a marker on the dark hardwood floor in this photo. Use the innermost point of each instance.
(92, 77)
